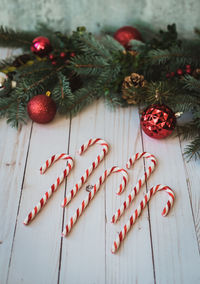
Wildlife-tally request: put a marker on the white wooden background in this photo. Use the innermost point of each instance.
(157, 249)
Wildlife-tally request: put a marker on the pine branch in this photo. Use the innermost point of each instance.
(16, 114)
(191, 83)
(180, 55)
(193, 149)
(12, 38)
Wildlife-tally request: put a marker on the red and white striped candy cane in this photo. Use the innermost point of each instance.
(139, 184)
(54, 186)
(92, 193)
(88, 171)
(121, 236)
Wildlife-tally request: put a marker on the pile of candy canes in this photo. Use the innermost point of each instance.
(94, 189)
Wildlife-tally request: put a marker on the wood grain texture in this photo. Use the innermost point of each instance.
(174, 237)
(156, 250)
(192, 175)
(36, 250)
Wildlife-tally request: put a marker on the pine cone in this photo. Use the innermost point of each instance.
(196, 73)
(134, 81)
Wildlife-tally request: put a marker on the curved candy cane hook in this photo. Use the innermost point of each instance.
(54, 186)
(92, 193)
(139, 184)
(121, 236)
(88, 171)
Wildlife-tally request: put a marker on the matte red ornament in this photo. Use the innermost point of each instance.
(158, 121)
(41, 109)
(125, 34)
(41, 46)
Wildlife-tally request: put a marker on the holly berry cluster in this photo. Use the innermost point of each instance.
(58, 58)
(180, 72)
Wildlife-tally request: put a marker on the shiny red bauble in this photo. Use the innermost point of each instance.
(41, 109)
(158, 121)
(41, 46)
(125, 34)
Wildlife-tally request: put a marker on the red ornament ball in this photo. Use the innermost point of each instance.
(41, 109)
(158, 121)
(41, 46)
(125, 34)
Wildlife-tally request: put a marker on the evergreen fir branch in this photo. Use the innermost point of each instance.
(81, 99)
(191, 83)
(189, 130)
(27, 88)
(16, 114)
(159, 92)
(35, 66)
(4, 105)
(89, 45)
(111, 44)
(62, 94)
(178, 55)
(113, 100)
(193, 149)
(12, 38)
(88, 65)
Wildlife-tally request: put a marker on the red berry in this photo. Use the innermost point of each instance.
(188, 70)
(72, 54)
(51, 56)
(62, 54)
(188, 66)
(172, 74)
(54, 62)
(167, 75)
(179, 71)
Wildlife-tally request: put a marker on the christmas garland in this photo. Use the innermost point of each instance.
(125, 69)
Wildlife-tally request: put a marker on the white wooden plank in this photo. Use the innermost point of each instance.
(127, 265)
(175, 248)
(192, 172)
(13, 150)
(86, 255)
(83, 251)
(36, 249)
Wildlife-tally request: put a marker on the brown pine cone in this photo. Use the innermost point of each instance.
(130, 83)
(196, 73)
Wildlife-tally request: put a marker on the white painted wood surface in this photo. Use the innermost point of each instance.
(157, 249)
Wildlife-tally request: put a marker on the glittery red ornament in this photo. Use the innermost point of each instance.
(158, 121)
(41, 46)
(41, 109)
(125, 34)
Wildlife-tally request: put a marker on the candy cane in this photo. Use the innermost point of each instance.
(88, 171)
(54, 186)
(92, 193)
(121, 236)
(139, 184)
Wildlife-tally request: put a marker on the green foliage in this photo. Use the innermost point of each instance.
(99, 69)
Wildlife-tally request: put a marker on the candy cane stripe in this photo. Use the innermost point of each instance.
(91, 195)
(88, 171)
(139, 184)
(122, 234)
(53, 187)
